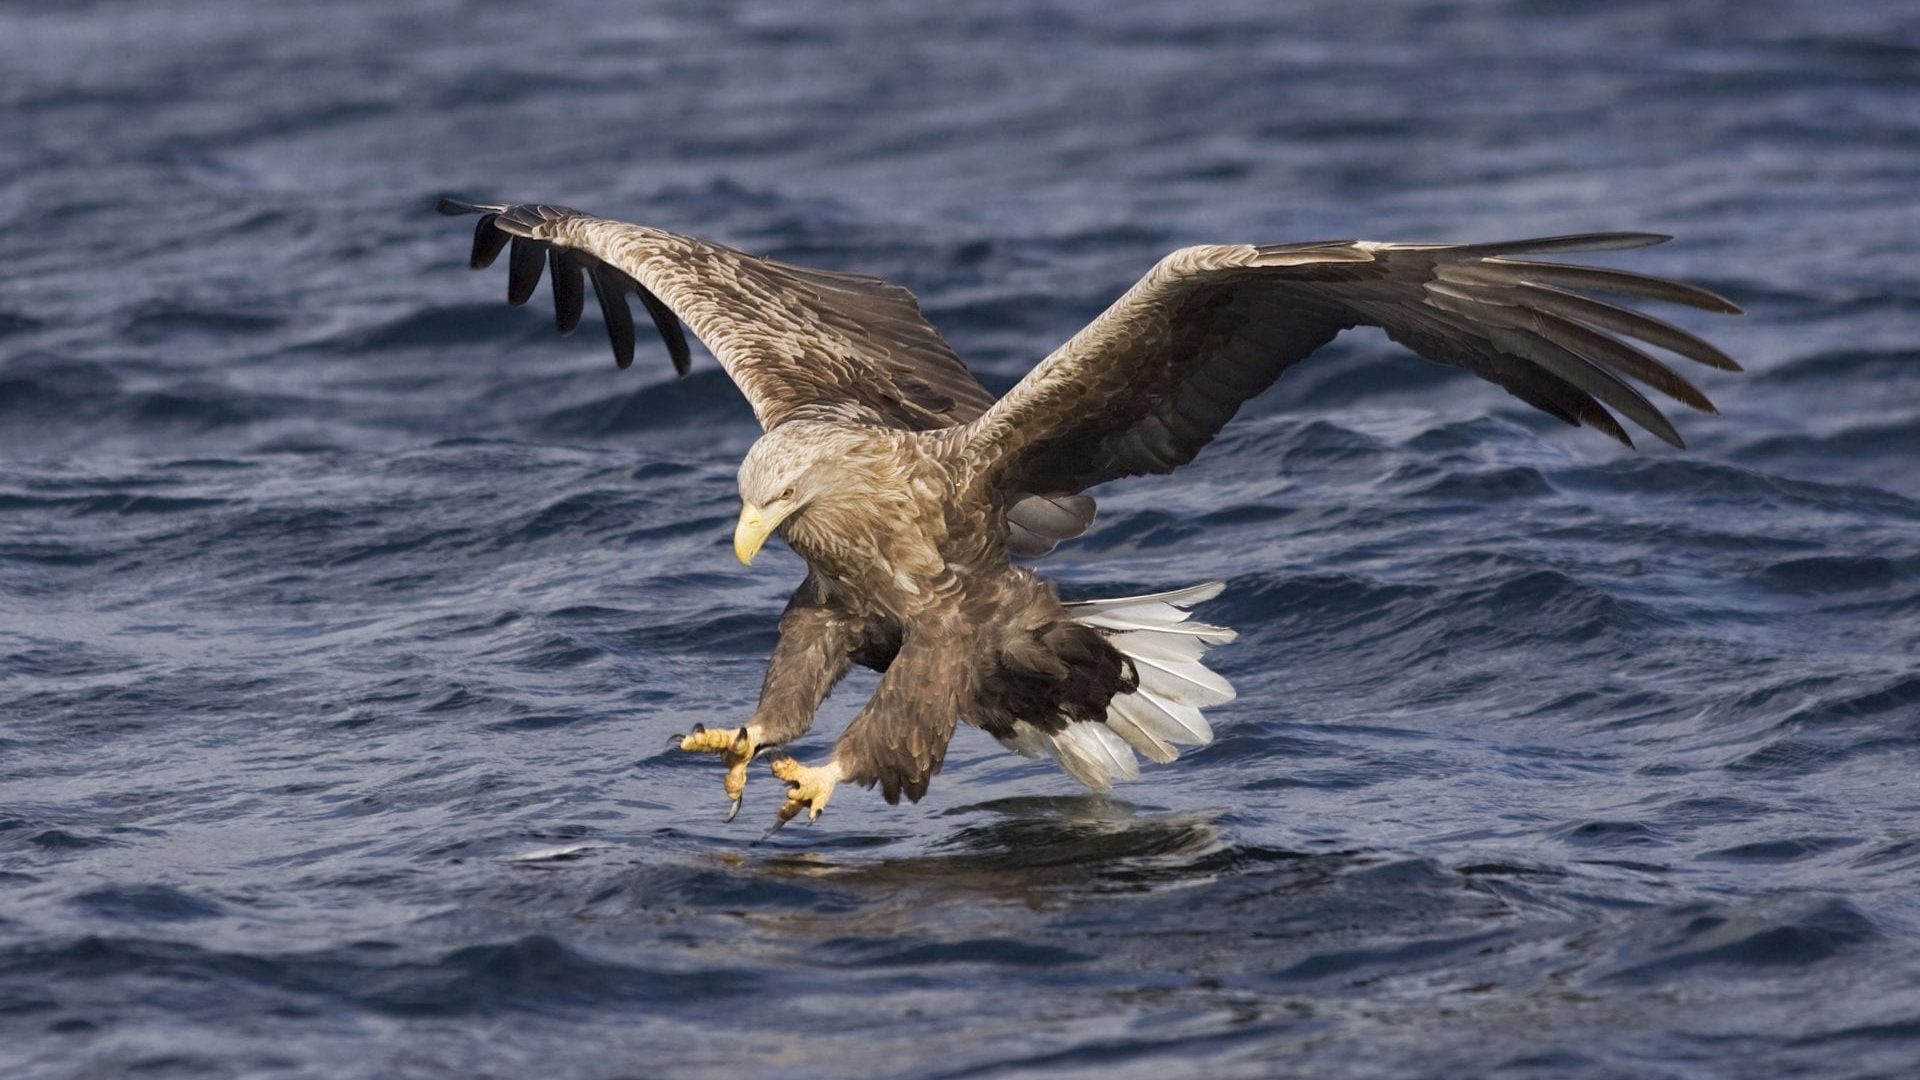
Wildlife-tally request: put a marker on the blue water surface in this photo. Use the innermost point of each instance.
(344, 611)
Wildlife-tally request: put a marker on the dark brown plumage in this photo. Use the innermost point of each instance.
(906, 487)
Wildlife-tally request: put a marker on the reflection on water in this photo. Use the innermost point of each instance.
(1031, 846)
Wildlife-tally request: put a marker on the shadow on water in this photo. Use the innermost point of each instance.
(1032, 848)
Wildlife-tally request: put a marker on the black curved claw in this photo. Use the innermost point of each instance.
(733, 813)
(676, 740)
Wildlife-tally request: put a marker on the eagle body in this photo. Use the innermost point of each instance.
(908, 489)
(900, 573)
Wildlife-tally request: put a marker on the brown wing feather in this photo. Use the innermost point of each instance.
(1151, 381)
(795, 340)
(899, 740)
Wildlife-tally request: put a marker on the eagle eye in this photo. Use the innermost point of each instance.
(787, 494)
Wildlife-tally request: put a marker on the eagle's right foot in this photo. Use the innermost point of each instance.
(736, 747)
(808, 789)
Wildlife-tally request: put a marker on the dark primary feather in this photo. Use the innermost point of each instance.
(609, 291)
(610, 285)
(523, 270)
(488, 242)
(1505, 271)
(1540, 245)
(672, 334)
(1619, 320)
(1151, 381)
(569, 291)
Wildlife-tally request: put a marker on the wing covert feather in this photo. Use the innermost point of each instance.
(1157, 375)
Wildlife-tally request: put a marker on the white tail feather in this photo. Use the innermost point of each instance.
(1112, 751)
(1164, 713)
(1212, 635)
(1182, 725)
(1175, 598)
(1134, 618)
(1188, 684)
(1177, 648)
(1091, 753)
(1129, 719)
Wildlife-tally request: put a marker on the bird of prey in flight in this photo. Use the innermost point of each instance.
(908, 489)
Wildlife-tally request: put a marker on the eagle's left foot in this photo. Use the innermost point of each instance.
(736, 747)
(808, 788)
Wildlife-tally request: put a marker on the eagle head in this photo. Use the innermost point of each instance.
(787, 468)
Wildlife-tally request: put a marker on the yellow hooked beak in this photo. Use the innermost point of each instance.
(755, 526)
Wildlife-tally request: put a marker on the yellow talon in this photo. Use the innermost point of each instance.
(709, 740)
(808, 788)
(736, 747)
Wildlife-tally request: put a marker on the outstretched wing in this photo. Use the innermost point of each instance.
(797, 341)
(1151, 381)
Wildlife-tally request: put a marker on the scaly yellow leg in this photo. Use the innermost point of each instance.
(808, 788)
(736, 747)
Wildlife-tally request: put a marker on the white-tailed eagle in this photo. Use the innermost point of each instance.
(908, 488)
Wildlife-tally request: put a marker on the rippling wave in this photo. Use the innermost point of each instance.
(344, 611)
